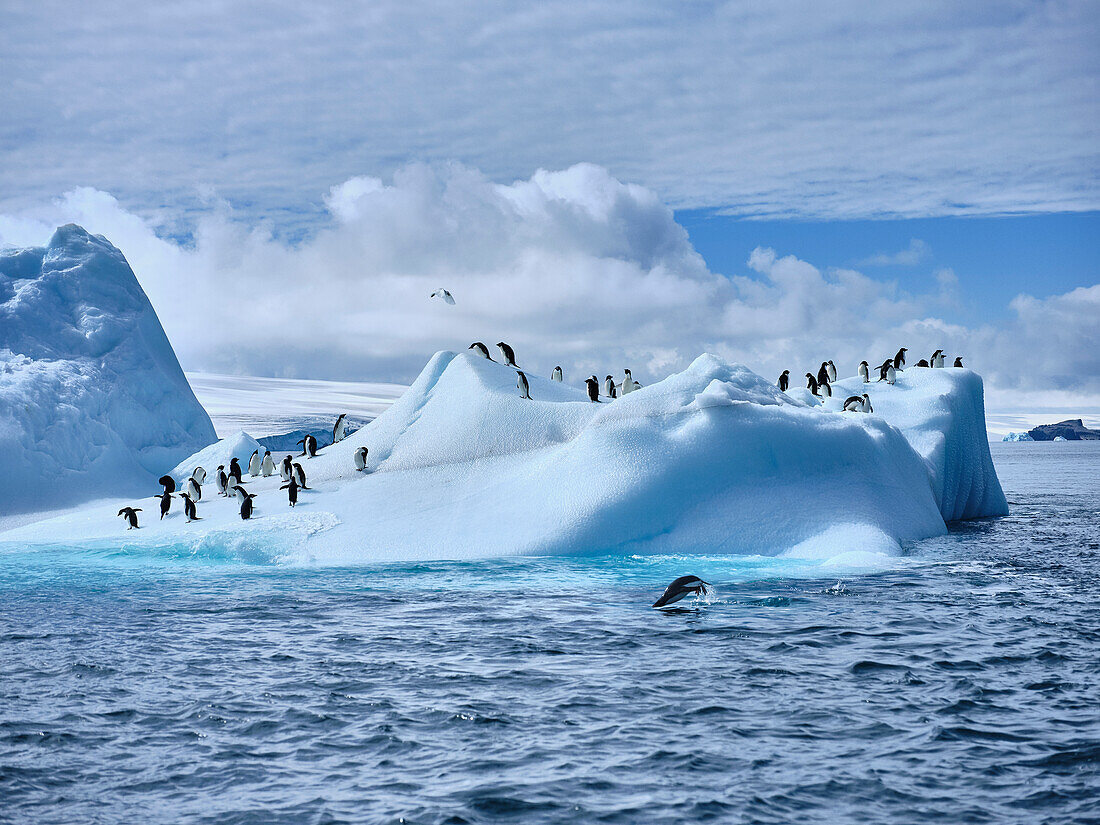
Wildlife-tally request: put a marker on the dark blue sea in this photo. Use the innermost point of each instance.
(960, 685)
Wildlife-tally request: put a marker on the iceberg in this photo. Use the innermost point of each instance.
(714, 459)
(93, 402)
(1018, 437)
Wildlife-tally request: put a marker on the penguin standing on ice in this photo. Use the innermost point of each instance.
(680, 588)
(858, 403)
(309, 446)
(508, 353)
(267, 466)
(831, 370)
(899, 359)
(189, 508)
(823, 373)
(254, 464)
(480, 349)
(865, 372)
(194, 489)
(169, 483)
(937, 359)
(628, 382)
(361, 459)
(958, 362)
(523, 387)
(891, 373)
(247, 506)
(285, 468)
(593, 387)
(222, 481)
(784, 380)
(609, 387)
(242, 493)
(291, 488)
(888, 363)
(340, 428)
(231, 484)
(299, 475)
(235, 469)
(826, 389)
(130, 513)
(199, 474)
(811, 384)
(556, 374)
(165, 503)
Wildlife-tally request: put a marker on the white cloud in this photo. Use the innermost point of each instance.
(814, 109)
(572, 267)
(912, 255)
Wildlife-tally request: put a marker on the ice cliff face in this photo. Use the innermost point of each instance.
(93, 402)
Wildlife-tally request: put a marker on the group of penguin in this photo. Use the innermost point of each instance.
(592, 383)
(229, 482)
(821, 384)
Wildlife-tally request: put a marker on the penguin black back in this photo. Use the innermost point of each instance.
(508, 353)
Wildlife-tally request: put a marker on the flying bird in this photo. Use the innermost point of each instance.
(444, 294)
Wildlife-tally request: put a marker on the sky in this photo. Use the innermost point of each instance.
(602, 184)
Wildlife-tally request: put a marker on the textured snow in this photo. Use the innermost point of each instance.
(92, 399)
(712, 459)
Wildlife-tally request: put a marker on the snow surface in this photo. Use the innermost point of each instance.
(92, 399)
(220, 453)
(712, 459)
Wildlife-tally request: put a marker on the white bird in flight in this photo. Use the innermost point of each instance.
(444, 294)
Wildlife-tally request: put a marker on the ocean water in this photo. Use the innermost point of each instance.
(961, 684)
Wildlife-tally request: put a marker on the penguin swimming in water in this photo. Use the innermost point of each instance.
(922, 363)
(165, 503)
(508, 353)
(899, 359)
(832, 371)
(131, 516)
(340, 428)
(865, 372)
(823, 373)
(958, 362)
(194, 489)
(361, 459)
(556, 374)
(480, 349)
(267, 466)
(199, 474)
(169, 483)
(254, 464)
(628, 382)
(235, 469)
(299, 475)
(291, 488)
(682, 587)
(247, 506)
(609, 387)
(811, 384)
(784, 380)
(285, 468)
(189, 508)
(937, 359)
(309, 446)
(523, 386)
(222, 481)
(593, 387)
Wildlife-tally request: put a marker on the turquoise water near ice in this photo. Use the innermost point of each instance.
(958, 685)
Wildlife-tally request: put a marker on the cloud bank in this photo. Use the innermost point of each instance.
(833, 110)
(571, 267)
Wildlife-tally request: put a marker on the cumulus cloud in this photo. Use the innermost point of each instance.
(571, 267)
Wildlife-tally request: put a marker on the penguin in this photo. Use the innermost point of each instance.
(865, 372)
(169, 484)
(309, 446)
(854, 403)
(235, 469)
(826, 389)
(231, 484)
(444, 294)
(189, 508)
(131, 516)
(593, 387)
(291, 488)
(899, 359)
(958, 362)
(922, 363)
(508, 353)
(254, 464)
(267, 466)
(889, 362)
(784, 380)
(480, 349)
(299, 475)
(194, 489)
(891, 373)
(609, 387)
(832, 371)
(242, 493)
(823, 373)
(867, 408)
(937, 359)
(628, 382)
(680, 588)
(361, 459)
(523, 387)
(165, 503)
(340, 428)
(246, 507)
(285, 468)
(556, 374)
(199, 474)
(222, 481)
(811, 383)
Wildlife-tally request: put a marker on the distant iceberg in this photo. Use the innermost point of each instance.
(711, 459)
(92, 400)
(1017, 437)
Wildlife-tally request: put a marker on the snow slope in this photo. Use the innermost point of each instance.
(92, 399)
(712, 459)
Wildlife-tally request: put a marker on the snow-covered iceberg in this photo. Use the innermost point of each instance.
(712, 459)
(92, 400)
(1018, 437)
